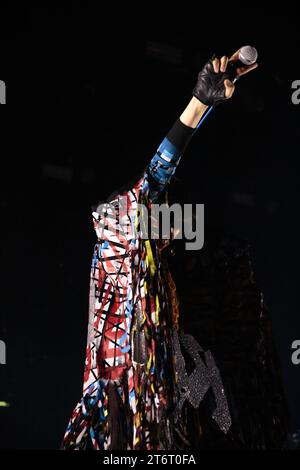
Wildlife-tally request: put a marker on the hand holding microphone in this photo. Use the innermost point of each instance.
(216, 80)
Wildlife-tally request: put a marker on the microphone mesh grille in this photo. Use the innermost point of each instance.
(248, 55)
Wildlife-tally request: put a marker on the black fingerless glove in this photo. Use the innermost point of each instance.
(210, 89)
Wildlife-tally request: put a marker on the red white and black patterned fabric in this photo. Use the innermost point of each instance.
(128, 394)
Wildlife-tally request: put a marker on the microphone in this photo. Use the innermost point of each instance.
(247, 56)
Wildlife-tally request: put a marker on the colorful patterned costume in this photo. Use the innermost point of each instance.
(144, 380)
(130, 382)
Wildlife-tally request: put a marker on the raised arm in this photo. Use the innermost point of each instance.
(213, 87)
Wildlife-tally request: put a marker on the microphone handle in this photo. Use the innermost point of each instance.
(231, 70)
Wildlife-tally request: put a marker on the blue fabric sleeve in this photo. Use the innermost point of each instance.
(167, 157)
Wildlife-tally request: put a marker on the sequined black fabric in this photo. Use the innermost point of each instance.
(194, 386)
(223, 307)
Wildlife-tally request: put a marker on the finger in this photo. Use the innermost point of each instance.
(229, 88)
(242, 70)
(223, 63)
(235, 56)
(216, 64)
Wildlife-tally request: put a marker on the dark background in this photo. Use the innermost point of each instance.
(89, 99)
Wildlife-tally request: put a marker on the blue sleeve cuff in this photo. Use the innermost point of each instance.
(164, 163)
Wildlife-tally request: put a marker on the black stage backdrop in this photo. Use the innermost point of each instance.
(89, 99)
